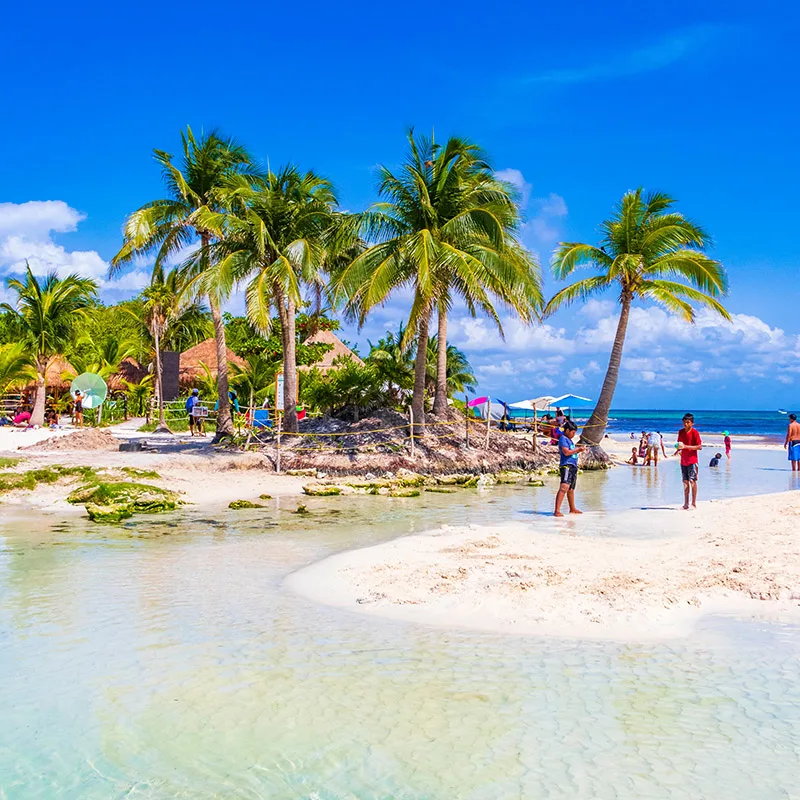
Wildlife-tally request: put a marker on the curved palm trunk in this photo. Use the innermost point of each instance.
(286, 313)
(37, 415)
(162, 426)
(440, 400)
(595, 428)
(420, 369)
(224, 418)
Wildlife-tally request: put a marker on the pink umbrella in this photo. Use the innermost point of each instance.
(478, 401)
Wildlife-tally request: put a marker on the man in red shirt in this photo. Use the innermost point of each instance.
(689, 443)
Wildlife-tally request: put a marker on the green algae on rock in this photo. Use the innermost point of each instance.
(404, 491)
(321, 490)
(109, 512)
(139, 497)
(240, 504)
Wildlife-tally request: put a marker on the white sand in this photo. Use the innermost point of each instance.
(204, 476)
(738, 556)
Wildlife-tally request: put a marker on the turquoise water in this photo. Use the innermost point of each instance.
(166, 659)
(738, 423)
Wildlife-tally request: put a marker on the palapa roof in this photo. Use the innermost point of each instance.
(129, 370)
(339, 350)
(207, 353)
(53, 375)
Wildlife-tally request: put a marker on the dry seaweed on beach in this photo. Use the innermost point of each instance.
(381, 443)
(84, 439)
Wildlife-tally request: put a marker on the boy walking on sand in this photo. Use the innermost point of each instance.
(689, 444)
(569, 468)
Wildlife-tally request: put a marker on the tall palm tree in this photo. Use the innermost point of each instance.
(649, 252)
(458, 370)
(159, 306)
(167, 227)
(278, 240)
(445, 229)
(49, 313)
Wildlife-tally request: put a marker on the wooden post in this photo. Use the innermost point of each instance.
(466, 421)
(278, 447)
(535, 431)
(411, 429)
(488, 420)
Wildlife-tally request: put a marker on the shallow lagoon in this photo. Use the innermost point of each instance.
(166, 659)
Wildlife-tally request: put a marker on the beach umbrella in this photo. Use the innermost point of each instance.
(571, 400)
(478, 401)
(92, 387)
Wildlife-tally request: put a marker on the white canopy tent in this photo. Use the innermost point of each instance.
(536, 404)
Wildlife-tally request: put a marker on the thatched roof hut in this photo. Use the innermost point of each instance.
(54, 374)
(339, 350)
(129, 370)
(206, 351)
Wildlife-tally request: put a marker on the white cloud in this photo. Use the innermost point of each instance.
(26, 231)
(517, 180)
(620, 63)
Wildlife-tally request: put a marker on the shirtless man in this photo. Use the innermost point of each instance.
(792, 442)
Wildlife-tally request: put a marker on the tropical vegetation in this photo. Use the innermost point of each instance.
(445, 228)
(445, 231)
(648, 251)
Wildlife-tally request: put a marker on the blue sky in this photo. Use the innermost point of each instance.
(576, 103)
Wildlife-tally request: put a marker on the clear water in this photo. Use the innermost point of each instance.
(166, 659)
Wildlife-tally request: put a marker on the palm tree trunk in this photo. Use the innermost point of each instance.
(595, 428)
(286, 313)
(224, 418)
(162, 426)
(440, 399)
(37, 415)
(420, 370)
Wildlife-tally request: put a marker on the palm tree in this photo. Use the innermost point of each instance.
(394, 364)
(255, 378)
(48, 313)
(167, 227)
(16, 366)
(159, 305)
(647, 252)
(445, 229)
(278, 241)
(458, 370)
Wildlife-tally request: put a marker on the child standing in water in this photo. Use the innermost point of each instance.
(569, 468)
(727, 443)
(689, 444)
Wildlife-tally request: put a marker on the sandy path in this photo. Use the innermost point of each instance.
(740, 556)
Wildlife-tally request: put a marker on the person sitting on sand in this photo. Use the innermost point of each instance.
(715, 461)
(689, 443)
(22, 418)
(727, 442)
(569, 468)
(634, 459)
(792, 442)
(560, 418)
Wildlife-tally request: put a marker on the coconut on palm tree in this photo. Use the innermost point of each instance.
(445, 229)
(167, 227)
(648, 252)
(277, 241)
(48, 313)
